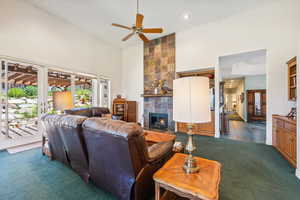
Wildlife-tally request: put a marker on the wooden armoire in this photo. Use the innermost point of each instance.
(256, 105)
(125, 109)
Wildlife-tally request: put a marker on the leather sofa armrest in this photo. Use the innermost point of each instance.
(159, 150)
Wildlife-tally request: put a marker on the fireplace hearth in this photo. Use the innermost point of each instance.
(158, 121)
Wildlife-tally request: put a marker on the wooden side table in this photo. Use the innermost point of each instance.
(203, 185)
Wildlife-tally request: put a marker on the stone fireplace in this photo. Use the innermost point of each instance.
(159, 64)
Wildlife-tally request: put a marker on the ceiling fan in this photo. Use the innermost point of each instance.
(138, 28)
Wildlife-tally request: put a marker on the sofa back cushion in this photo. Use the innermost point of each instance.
(99, 111)
(56, 145)
(87, 112)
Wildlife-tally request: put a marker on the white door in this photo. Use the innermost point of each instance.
(3, 100)
(42, 96)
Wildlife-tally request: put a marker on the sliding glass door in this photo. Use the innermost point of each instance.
(26, 94)
(104, 92)
(3, 101)
(20, 100)
(85, 89)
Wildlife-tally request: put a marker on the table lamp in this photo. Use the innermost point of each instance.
(62, 100)
(191, 104)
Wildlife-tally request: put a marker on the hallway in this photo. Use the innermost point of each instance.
(248, 132)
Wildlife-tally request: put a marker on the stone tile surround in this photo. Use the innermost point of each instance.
(159, 63)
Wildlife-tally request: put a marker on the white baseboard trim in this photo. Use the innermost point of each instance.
(269, 143)
(298, 173)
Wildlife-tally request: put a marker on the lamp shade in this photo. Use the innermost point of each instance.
(62, 100)
(191, 100)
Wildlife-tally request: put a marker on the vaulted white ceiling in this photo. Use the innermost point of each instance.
(96, 16)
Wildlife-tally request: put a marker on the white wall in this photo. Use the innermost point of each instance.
(298, 110)
(271, 27)
(255, 82)
(133, 76)
(240, 105)
(32, 34)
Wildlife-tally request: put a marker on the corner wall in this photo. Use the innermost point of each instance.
(298, 110)
(133, 76)
(30, 33)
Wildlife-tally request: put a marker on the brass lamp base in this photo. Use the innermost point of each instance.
(190, 164)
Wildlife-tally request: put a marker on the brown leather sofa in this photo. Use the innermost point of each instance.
(111, 153)
(66, 142)
(120, 160)
(88, 112)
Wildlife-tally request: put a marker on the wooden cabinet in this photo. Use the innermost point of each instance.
(207, 129)
(285, 137)
(126, 110)
(292, 78)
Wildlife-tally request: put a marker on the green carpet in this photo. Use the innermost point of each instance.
(250, 171)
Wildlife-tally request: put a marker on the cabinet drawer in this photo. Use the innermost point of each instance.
(279, 124)
(290, 127)
(285, 138)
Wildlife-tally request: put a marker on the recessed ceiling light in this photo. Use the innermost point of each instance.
(187, 16)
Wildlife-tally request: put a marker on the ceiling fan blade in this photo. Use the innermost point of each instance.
(121, 26)
(152, 30)
(139, 20)
(128, 36)
(143, 37)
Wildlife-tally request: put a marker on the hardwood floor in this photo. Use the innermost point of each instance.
(248, 132)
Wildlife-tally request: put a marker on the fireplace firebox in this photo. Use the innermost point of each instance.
(158, 121)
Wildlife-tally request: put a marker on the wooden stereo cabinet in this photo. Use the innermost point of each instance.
(285, 137)
(207, 129)
(125, 109)
(292, 78)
